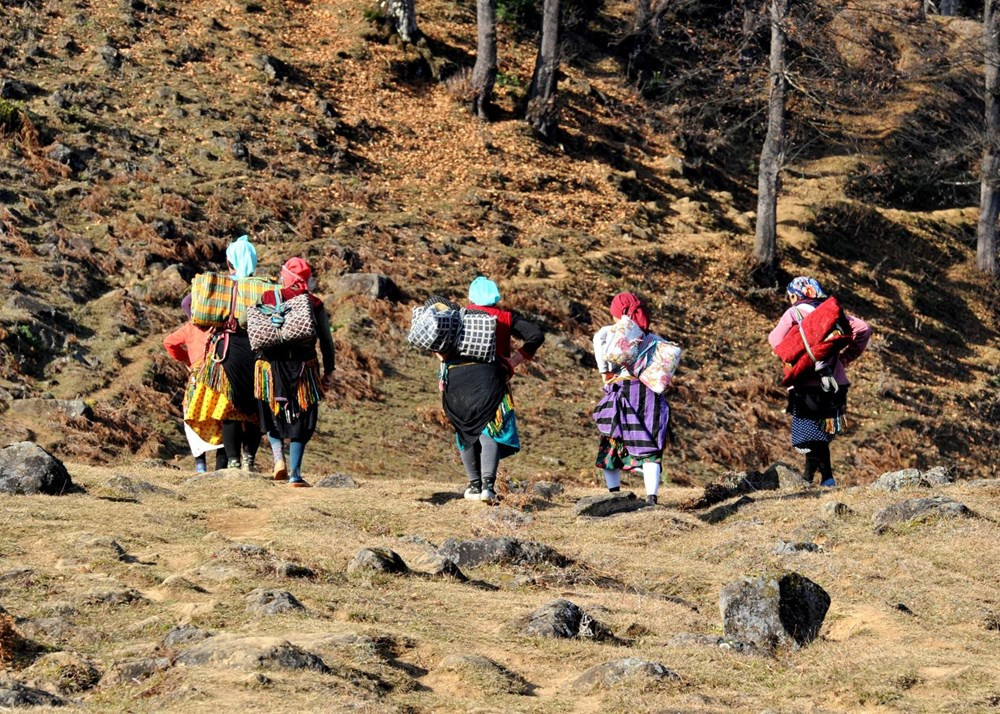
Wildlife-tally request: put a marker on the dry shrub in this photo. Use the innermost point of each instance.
(125, 426)
(178, 206)
(12, 643)
(459, 86)
(357, 376)
(10, 234)
(97, 201)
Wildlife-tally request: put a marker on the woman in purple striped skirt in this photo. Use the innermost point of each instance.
(631, 417)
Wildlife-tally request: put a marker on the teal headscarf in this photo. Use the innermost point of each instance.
(242, 256)
(484, 292)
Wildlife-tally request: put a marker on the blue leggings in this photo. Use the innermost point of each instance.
(296, 450)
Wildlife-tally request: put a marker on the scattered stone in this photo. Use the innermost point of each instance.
(483, 676)
(373, 285)
(73, 408)
(272, 67)
(264, 601)
(902, 607)
(500, 551)
(721, 513)
(62, 154)
(836, 509)
(790, 548)
(111, 57)
(250, 653)
(336, 481)
(563, 619)
(906, 478)
(14, 695)
(992, 622)
(159, 463)
(27, 468)
(788, 478)
(249, 550)
(546, 489)
(919, 509)
(773, 611)
(66, 672)
(180, 583)
(184, 635)
(134, 671)
(438, 566)
(686, 639)
(628, 670)
(13, 89)
(102, 546)
(735, 484)
(131, 488)
(293, 570)
(608, 504)
(377, 560)
(110, 596)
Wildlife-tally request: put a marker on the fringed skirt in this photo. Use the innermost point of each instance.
(502, 429)
(288, 395)
(205, 409)
(816, 415)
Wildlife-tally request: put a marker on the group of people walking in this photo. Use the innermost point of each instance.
(236, 393)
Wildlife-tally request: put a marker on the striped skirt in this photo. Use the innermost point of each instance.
(635, 416)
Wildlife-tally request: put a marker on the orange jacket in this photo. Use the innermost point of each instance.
(188, 345)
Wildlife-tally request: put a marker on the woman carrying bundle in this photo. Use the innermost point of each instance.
(288, 385)
(632, 418)
(817, 400)
(476, 396)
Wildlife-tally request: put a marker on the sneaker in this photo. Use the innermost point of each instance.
(298, 483)
(829, 483)
(233, 464)
(472, 493)
(616, 489)
(280, 472)
(651, 500)
(247, 463)
(488, 495)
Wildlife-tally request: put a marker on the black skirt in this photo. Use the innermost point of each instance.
(471, 396)
(239, 365)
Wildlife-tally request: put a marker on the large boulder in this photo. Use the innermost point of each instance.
(27, 468)
(377, 560)
(250, 653)
(628, 670)
(906, 478)
(373, 285)
(265, 601)
(919, 509)
(774, 610)
(562, 619)
(500, 551)
(608, 504)
(14, 695)
(66, 672)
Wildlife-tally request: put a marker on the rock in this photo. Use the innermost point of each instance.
(134, 671)
(836, 509)
(111, 57)
(735, 484)
(896, 480)
(377, 560)
(184, 635)
(293, 570)
(608, 504)
(373, 285)
(790, 548)
(250, 653)
(482, 676)
(132, 488)
(66, 672)
(546, 489)
(788, 478)
(938, 476)
(563, 619)
(721, 513)
(73, 408)
(26, 468)
(336, 481)
(436, 565)
(685, 639)
(14, 695)
(627, 670)
(62, 154)
(110, 596)
(272, 67)
(180, 583)
(13, 89)
(500, 551)
(263, 601)
(773, 611)
(918, 509)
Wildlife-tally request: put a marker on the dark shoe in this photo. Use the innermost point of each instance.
(616, 489)
(651, 500)
(473, 492)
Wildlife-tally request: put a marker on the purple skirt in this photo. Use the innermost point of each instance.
(634, 414)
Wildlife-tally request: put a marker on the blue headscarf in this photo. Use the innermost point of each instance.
(242, 256)
(805, 288)
(484, 292)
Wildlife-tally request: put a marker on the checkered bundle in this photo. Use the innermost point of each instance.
(435, 326)
(477, 338)
(213, 301)
(272, 325)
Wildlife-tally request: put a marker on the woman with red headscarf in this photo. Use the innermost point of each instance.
(631, 417)
(288, 385)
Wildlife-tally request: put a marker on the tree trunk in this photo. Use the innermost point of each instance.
(541, 111)
(643, 10)
(771, 156)
(484, 74)
(948, 8)
(403, 17)
(989, 201)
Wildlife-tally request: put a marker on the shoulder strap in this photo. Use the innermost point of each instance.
(805, 342)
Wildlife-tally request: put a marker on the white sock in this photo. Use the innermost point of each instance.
(651, 475)
(613, 478)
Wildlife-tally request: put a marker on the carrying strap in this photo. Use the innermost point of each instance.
(805, 342)
(230, 326)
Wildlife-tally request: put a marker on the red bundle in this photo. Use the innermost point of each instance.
(818, 338)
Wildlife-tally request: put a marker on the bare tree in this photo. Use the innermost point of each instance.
(484, 73)
(402, 16)
(541, 111)
(765, 251)
(989, 196)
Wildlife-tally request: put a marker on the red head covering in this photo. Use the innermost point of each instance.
(295, 273)
(628, 304)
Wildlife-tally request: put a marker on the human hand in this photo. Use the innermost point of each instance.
(829, 384)
(608, 377)
(516, 359)
(327, 381)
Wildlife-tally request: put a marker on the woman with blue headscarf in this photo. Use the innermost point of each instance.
(241, 436)
(818, 401)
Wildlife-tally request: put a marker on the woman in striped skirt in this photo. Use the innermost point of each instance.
(631, 417)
